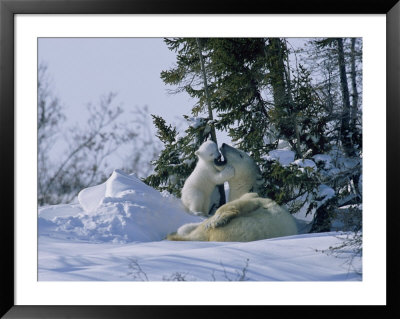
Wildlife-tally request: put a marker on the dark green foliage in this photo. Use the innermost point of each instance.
(285, 184)
(165, 133)
(177, 160)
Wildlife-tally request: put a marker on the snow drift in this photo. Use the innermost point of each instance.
(123, 209)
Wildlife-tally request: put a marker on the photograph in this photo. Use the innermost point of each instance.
(201, 159)
(174, 159)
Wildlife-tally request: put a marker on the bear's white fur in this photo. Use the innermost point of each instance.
(197, 190)
(247, 176)
(245, 219)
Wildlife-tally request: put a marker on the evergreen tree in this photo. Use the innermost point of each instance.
(264, 100)
(344, 132)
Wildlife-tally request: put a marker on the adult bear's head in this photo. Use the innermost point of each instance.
(247, 176)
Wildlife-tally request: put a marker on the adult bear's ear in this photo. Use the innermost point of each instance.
(197, 153)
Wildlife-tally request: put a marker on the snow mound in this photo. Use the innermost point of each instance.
(123, 209)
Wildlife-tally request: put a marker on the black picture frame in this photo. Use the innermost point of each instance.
(8, 8)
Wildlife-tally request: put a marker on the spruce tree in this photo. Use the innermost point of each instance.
(262, 99)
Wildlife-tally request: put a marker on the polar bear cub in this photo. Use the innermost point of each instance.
(245, 219)
(197, 190)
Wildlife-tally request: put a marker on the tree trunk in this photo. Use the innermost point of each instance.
(280, 82)
(353, 84)
(322, 220)
(221, 189)
(345, 128)
(203, 70)
(276, 67)
(354, 106)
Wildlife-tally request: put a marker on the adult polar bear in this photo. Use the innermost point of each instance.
(247, 177)
(246, 216)
(197, 190)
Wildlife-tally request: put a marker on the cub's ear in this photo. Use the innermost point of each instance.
(197, 153)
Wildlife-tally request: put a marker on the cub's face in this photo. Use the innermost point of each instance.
(208, 151)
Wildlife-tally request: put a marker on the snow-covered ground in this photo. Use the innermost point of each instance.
(117, 231)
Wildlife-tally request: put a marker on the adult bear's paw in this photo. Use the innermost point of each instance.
(221, 219)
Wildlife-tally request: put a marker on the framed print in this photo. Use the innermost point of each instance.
(112, 200)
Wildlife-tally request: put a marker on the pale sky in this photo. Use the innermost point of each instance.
(83, 69)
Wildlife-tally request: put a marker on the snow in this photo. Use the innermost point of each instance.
(123, 209)
(196, 122)
(282, 144)
(325, 192)
(294, 258)
(189, 162)
(305, 163)
(117, 231)
(324, 158)
(283, 156)
(286, 157)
